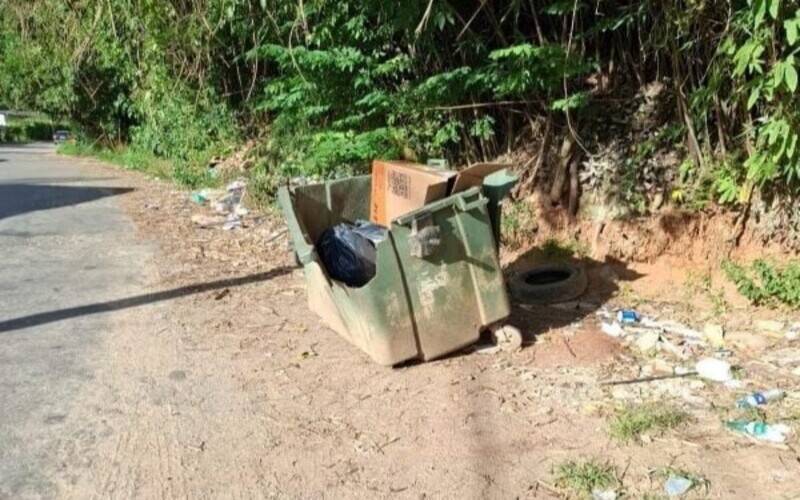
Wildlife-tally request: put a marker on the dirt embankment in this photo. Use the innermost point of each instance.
(692, 237)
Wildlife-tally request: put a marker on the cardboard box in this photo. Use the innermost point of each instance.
(399, 187)
(474, 174)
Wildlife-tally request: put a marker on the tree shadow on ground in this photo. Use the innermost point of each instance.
(137, 300)
(604, 280)
(20, 198)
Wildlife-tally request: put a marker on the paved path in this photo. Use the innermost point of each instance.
(66, 247)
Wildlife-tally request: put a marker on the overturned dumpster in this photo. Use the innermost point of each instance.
(437, 281)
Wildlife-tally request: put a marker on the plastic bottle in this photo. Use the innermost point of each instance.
(628, 316)
(760, 398)
(773, 433)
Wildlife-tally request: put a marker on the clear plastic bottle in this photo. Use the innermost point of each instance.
(760, 398)
(773, 433)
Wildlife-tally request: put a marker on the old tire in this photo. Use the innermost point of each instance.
(549, 284)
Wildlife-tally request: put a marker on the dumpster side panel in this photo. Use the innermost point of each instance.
(310, 206)
(484, 266)
(348, 199)
(454, 292)
(321, 300)
(376, 316)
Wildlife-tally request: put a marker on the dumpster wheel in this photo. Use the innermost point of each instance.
(507, 337)
(549, 283)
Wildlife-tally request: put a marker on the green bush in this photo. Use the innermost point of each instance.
(765, 283)
(332, 84)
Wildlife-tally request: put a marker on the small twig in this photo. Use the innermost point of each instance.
(550, 488)
(647, 379)
(277, 235)
(468, 23)
(424, 20)
(566, 344)
(479, 105)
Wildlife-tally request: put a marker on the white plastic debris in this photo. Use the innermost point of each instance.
(612, 329)
(714, 369)
(599, 494)
(677, 485)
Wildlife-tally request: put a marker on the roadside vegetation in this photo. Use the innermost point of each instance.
(766, 283)
(632, 106)
(327, 86)
(581, 478)
(630, 423)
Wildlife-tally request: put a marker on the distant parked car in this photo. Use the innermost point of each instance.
(60, 136)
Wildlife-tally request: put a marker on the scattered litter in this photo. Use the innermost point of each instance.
(231, 201)
(673, 349)
(769, 325)
(348, 251)
(793, 333)
(227, 202)
(771, 433)
(628, 316)
(677, 485)
(674, 327)
(760, 398)
(199, 197)
(598, 494)
(714, 369)
(714, 334)
(233, 221)
(612, 329)
(222, 294)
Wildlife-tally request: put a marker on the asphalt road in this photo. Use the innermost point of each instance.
(66, 246)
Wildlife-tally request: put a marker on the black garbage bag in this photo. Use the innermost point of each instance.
(348, 251)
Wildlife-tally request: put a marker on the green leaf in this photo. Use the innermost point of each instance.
(790, 77)
(571, 102)
(760, 10)
(774, 8)
(790, 25)
(791, 148)
(754, 95)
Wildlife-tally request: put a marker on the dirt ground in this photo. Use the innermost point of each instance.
(262, 400)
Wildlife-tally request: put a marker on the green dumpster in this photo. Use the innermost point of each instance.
(438, 280)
